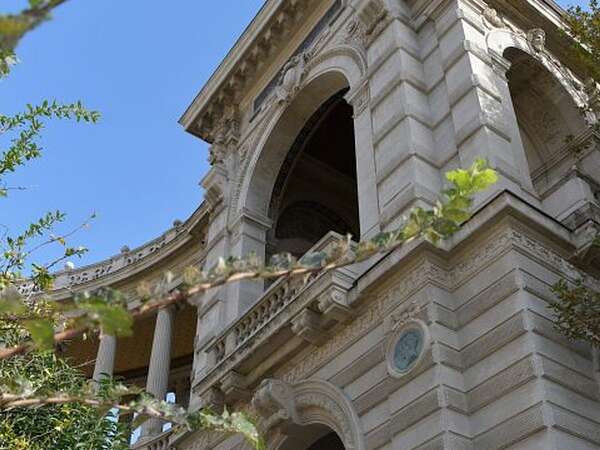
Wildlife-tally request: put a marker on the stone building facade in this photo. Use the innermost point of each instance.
(337, 116)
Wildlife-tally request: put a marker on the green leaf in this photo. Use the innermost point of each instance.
(42, 333)
(113, 319)
(456, 215)
(11, 301)
(460, 178)
(116, 321)
(484, 179)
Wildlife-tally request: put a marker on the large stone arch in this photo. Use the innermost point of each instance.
(288, 410)
(502, 39)
(320, 77)
(545, 105)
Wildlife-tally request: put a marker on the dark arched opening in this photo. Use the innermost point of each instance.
(315, 191)
(330, 441)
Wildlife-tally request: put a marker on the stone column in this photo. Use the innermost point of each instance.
(105, 360)
(158, 370)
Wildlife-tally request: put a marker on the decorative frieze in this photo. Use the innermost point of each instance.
(127, 259)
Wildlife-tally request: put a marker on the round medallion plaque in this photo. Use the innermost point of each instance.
(406, 348)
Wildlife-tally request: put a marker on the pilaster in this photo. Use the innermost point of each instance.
(406, 172)
(368, 201)
(480, 107)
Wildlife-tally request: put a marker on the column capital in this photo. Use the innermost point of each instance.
(359, 98)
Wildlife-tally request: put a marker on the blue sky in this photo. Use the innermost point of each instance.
(140, 63)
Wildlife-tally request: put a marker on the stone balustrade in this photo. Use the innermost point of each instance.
(272, 302)
(68, 279)
(280, 309)
(160, 442)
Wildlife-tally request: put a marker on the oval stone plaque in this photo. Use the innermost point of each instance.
(406, 347)
(407, 350)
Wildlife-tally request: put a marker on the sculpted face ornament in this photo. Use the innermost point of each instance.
(537, 39)
(492, 18)
(274, 401)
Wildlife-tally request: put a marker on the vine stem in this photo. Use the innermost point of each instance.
(177, 296)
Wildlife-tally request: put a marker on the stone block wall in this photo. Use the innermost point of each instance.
(428, 84)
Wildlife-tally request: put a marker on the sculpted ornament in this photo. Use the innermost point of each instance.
(293, 74)
(592, 90)
(308, 402)
(406, 347)
(355, 34)
(216, 153)
(274, 401)
(537, 39)
(492, 19)
(374, 16)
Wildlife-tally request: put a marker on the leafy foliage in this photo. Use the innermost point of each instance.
(14, 26)
(584, 24)
(577, 310)
(62, 426)
(108, 310)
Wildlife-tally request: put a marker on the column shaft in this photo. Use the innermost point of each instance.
(105, 360)
(158, 370)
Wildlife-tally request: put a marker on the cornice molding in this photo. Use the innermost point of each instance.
(262, 37)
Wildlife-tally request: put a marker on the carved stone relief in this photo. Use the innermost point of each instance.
(275, 402)
(407, 344)
(537, 39)
(374, 17)
(292, 75)
(283, 406)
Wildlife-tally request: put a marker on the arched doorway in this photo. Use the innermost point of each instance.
(315, 191)
(330, 441)
(311, 437)
(547, 117)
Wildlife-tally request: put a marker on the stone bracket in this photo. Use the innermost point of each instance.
(234, 386)
(309, 326)
(213, 398)
(334, 305)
